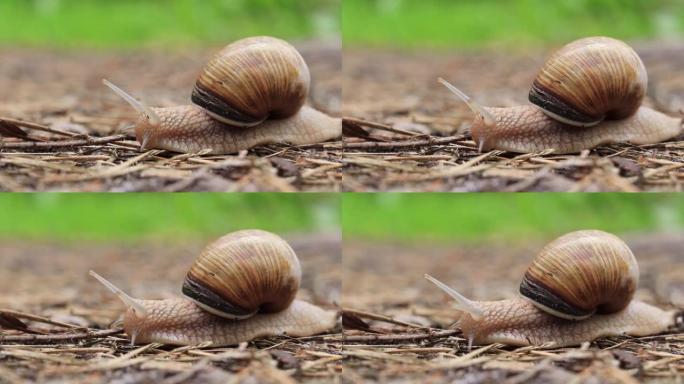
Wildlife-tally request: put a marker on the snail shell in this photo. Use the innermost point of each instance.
(582, 273)
(251, 80)
(243, 273)
(590, 80)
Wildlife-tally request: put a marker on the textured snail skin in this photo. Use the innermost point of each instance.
(190, 129)
(180, 322)
(526, 129)
(518, 322)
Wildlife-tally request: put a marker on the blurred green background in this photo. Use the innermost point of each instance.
(510, 24)
(508, 217)
(171, 23)
(169, 217)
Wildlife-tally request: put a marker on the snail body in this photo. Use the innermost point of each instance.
(180, 322)
(579, 288)
(518, 322)
(190, 129)
(526, 129)
(241, 287)
(587, 94)
(252, 92)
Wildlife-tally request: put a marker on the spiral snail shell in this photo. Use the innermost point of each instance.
(251, 80)
(590, 80)
(580, 287)
(587, 94)
(582, 273)
(252, 92)
(243, 273)
(241, 287)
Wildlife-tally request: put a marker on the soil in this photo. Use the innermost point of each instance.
(51, 280)
(406, 132)
(63, 92)
(390, 303)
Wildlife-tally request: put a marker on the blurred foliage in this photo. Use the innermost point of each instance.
(106, 23)
(511, 217)
(130, 216)
(514, 24)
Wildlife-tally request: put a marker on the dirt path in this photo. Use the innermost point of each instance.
(63, 90)
(388, 281)
(52, 280)
(399, 89)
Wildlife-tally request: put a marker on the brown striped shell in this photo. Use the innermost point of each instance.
(251, 80)
(243, 273)
(590, 80)
(582, 273)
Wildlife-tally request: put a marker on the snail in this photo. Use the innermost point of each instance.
(587, 94)
(252, 92)
(579, 288)
(240, 287)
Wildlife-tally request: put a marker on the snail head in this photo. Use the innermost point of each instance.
(483, 118)
(148, 120)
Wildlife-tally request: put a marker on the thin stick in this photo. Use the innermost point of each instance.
(400, 337)
(60, 337)
(40, 319)
(383, 127)
(403, 144)
(38, 127)
(386, 319)
(64, 143)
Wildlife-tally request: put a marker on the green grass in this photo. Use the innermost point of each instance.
(512, 24)
(170, 217)
(512, 217)
(171, 23)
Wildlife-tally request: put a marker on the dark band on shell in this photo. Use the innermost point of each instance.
(545, 99)
(217, 106)
(542, 296)
(211, 301)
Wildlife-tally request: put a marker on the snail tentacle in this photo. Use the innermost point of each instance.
(487, 119)
(133, 303)
(462, 303)
(141, 108)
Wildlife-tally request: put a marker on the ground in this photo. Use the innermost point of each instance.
(397, 325)
(62, 91)
(51, 280)
(405, 132)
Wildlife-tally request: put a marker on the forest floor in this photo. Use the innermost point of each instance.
(75, 341)
(397, 324)
(74, 139)
(406, 132)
